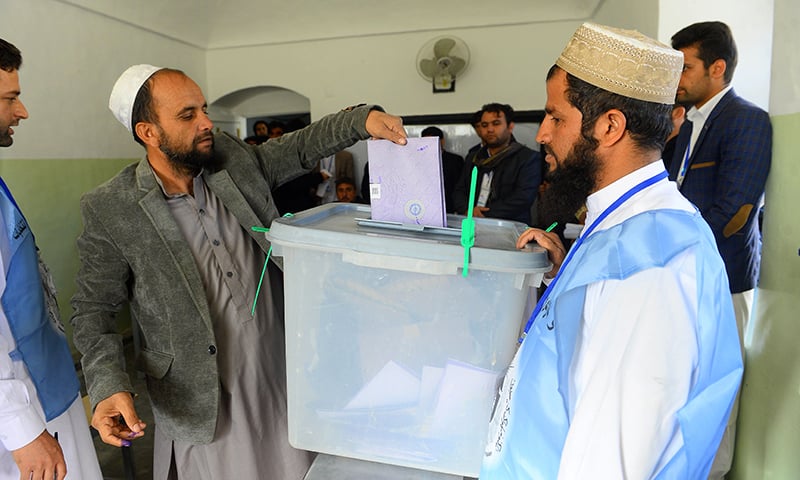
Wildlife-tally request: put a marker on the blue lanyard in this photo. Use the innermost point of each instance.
(685, 165)
(636, 189)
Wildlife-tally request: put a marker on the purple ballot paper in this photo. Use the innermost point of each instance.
(405, 182)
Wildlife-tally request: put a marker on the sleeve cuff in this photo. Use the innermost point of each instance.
(21, 428)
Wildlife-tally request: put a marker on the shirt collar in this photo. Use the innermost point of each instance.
(603, 198)
(197, 178)
(698, 116)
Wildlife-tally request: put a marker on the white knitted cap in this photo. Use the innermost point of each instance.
(125, 90)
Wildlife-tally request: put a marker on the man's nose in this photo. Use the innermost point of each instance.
(542, 136)
(21, 112)
(206, 123)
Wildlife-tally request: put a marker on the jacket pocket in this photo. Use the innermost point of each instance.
(154, 364)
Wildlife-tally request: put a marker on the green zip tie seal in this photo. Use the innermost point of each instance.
(264, 269)
(468, 224)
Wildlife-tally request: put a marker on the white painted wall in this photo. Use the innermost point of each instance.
(751, 22)
(785, 92)
(508, 64)
(768, 436)
(71, 59)
(73, 56)
(631, 15)
(264, 101)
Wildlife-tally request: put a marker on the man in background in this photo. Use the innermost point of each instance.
(509, 173)
(452, 165)
(334, 167)
(260, 129)
(43, 429)
(721, 163)
(678, 117)
(475, 121)
(276, 129)
(346, 191)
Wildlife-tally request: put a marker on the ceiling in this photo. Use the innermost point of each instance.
(213, 24)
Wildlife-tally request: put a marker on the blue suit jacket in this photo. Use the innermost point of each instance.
(725, 179)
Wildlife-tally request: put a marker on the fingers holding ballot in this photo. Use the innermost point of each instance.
(384, 126)
(550, 242)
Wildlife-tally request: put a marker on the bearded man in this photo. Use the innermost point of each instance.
(631, 361)
(171, 236)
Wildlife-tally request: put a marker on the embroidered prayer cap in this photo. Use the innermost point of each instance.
(624, 62)
(125, 90)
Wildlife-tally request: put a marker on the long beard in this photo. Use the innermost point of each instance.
(570, 184)
(191, 161)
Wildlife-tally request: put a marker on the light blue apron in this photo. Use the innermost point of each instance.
(40, 344)
(531, 419)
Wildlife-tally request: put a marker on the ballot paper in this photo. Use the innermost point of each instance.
(392, 386)
(443, 402)
(463, 393)
(406, 183)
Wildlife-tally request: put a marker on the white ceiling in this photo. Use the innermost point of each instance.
(212, 24)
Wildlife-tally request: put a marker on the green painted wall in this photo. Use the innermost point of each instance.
(48, 192)
(769, 417)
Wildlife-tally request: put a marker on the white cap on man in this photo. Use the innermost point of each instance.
(123, 95)
(624, 62)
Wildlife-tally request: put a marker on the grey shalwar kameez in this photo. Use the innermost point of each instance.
(251, 435)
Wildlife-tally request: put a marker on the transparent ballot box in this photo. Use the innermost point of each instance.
(393, 356)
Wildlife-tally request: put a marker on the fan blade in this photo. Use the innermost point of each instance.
(457, 65)
(428, 67)
(443, 47)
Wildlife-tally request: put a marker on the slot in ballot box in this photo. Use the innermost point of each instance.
(393, 356)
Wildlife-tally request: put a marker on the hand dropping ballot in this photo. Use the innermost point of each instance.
(406, 183)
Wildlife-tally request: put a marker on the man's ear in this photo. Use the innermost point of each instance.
(147, 133)
(718, 68)
(610, 127)
(510, 126)
(678, 112)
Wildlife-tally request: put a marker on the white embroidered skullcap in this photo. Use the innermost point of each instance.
(125, 90)
(624, 62)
